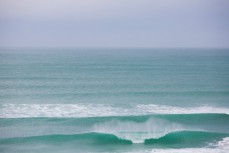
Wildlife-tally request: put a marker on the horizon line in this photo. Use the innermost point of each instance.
(97, 47)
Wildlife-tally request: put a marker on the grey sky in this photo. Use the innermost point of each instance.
(114, 23)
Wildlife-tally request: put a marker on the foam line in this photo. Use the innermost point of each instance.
(94, 110)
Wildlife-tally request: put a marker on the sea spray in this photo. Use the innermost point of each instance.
(137, 132)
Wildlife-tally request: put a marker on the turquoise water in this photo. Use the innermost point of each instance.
(114, 100)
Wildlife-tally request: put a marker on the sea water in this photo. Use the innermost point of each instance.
(114, 100)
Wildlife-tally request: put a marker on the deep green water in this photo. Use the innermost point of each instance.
(114, 100)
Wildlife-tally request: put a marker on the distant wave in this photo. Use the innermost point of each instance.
(38, 93)
(88, 110)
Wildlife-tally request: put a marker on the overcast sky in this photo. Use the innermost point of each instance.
(114, 23)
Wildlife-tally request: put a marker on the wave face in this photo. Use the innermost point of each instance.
(107, 100)
(177, 139)
(188, 138)
(170, 141)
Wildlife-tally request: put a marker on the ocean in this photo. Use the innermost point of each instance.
(55, 100)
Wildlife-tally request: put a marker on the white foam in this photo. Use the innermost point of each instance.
(93, 110)
(138, 132)
(55, 110)
(162, 109)
(183, 150)
(224, 144)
